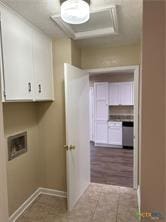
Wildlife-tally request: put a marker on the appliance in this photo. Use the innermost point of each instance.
(75, 11)
(127, 134)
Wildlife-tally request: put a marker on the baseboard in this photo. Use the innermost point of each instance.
(32, 198)
(24, 206)
(52, 192)
(139, 199)
(108, 145)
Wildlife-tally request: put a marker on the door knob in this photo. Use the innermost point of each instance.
(66, 147)
(72, 147)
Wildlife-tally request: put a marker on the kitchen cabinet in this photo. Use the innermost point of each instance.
(101, 112)
(114, 94)
(106, 94)
(115, 133)
(101, 101)
(121, 94)
(43, 71)
(26, 61)
(101, 132)
(126, 93)
(17, 58)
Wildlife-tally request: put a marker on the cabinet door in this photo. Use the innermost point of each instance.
(126, 93)
(43, 70)
(101, 132)
(101, 101)
(17, 57)
(115, 135)
(114, 97)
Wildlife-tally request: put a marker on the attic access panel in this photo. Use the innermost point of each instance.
(101, 23)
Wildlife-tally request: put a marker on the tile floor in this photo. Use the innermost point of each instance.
(100, 203)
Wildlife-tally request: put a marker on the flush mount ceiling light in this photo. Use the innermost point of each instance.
(75, 11)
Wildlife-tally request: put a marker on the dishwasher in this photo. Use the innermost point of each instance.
(127, 134)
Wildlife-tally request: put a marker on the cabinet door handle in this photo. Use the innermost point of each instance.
(29, 87)
(40, 89)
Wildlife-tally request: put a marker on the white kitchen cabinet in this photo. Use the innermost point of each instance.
(17, 58)
(101, 132)
(101, 112)
(126, 93)
(115, 133)
(121, 93)
(114, 94)
(101, 101)
(26, 61)
(43, 72)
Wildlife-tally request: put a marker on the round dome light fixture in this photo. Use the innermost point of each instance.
(75, 11)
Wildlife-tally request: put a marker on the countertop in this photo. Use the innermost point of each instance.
(121, 118)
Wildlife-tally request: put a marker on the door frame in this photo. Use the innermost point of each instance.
(3, 171)
(135, 70)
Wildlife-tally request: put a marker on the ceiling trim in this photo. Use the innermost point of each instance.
(88, 1)
(66, 28)
(113, 69)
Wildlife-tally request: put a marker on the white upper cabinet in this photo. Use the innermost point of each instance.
(26, 61)
(17, 58)
(121, 93)
(126, 93)
(42, 58)
(114, 95)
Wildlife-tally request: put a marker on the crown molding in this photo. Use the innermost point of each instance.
(88, 1)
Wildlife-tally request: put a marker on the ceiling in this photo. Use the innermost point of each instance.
(129, 13)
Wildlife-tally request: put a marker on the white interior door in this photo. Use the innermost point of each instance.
(77, 132)
(136, 128)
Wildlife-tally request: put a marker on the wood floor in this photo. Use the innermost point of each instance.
(112, 166)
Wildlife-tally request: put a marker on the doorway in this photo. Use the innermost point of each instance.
(114, 125)
(77, 127)
(112, 128)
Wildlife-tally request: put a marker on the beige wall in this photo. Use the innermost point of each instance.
(51, 121)
(153, 113)
(45, 164)
(112, 77)
(110, 57)
(23, 172)
(51, 117)
(3, 172)
(76, 54)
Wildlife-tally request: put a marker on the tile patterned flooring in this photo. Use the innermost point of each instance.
(99, 203)
(112, 166)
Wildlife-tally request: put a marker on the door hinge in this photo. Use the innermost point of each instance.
(4, 94)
